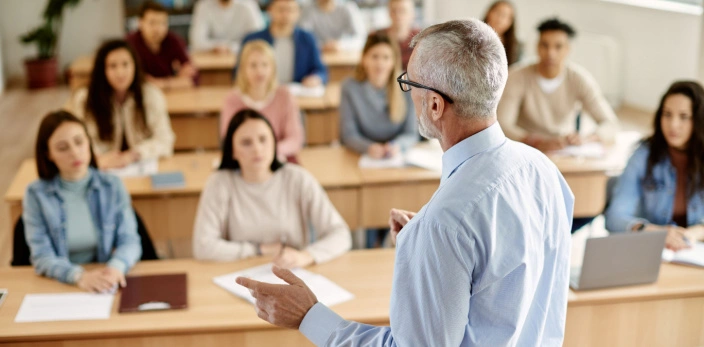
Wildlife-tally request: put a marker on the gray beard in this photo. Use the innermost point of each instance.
(425, 127)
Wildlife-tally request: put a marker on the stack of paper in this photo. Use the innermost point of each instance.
(325, 290)
(587, 150)
(367, 162)
(298, 89)
(62, 307)
(140, 168)
(425, 156)
(690, 256)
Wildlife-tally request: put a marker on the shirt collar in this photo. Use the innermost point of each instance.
(484, 140)
(54, 184)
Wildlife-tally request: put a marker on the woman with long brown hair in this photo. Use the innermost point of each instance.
(74, 214)
(376, 117)
(501, 16)
(662, 187)
(126, 117)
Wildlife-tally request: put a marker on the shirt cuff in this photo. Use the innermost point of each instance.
(319, 324)
(631, 224)
(75, 274)
(117, 264)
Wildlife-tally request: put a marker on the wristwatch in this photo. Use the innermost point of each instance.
(640, 227)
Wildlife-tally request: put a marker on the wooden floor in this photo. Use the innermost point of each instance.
(21, 111)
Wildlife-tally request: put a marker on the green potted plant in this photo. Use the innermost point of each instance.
(43, 70)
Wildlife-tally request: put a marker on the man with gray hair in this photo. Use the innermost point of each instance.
(486, 260)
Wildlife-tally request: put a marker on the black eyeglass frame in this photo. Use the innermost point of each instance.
(402, 81)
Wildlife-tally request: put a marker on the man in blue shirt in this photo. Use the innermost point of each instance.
(486, 261)
(295, 50)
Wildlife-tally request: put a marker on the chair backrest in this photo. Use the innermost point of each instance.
(21, 253)
(20, 249)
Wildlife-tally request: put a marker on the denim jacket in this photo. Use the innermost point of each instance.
(636, 201)
(119, 244)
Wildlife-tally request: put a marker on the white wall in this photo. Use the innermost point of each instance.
(659, 47)
(85, 26)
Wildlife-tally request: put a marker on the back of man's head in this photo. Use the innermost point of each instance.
(465, 60)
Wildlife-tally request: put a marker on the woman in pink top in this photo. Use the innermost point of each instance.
(256, 88)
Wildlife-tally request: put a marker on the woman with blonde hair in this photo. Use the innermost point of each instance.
(376, 117)
(256, 88)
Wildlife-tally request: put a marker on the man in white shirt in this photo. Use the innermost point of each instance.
(220, 25)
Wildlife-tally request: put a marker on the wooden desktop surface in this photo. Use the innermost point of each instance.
(212, 312)
(216, 68)
(669, 312)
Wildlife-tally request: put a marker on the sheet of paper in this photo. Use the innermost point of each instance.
(367, 162)
(690, 256)
(588, 150)
(426, 155)
(325, 290)
(298, 89)
(63, 307)
(140, 168)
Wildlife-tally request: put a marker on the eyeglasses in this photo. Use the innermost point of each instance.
(406, 84)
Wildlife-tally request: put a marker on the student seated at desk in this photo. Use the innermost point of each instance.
(220, 25)
(662, 186)
(335, 26)
(74, 214)
(541, 101)
(501, 16)
(126, 118)
(402, 14)
(255, 205)
(162, 54)
(376, 117)
(297, 55)
(256, 88)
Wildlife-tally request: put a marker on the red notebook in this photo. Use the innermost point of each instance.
(154, 292)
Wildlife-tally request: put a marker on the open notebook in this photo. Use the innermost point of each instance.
(690, 256)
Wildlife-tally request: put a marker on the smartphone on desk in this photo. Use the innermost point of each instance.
(3, 294)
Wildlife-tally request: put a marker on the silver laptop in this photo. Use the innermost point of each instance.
(620, 260)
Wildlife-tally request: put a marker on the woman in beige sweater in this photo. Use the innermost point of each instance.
(255, 205)
(126, 118)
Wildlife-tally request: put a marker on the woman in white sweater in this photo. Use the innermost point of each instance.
(255, 205)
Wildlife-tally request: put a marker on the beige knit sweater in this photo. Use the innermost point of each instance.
(525, 109)
(233, 216)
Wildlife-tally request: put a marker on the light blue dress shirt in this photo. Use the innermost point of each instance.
(484, 263)
(636, 200)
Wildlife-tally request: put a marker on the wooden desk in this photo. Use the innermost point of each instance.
(195, 116)
(341, 64)
(362, 196)
(169, 214)
(213, 69)
(667, 313)
(216, 69)
(214, 316)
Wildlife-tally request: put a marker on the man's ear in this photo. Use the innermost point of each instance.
(437, 105)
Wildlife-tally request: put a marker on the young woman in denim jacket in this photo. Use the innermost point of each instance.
(662, 187)
(74, 214)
